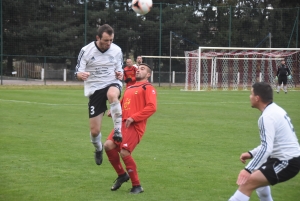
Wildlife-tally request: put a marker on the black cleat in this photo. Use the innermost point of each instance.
(285, 92)
(136, 190)
(119, 181)
(117, 136)
(99, 156)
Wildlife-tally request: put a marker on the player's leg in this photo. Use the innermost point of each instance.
(97, 107)
(264, 193)
(279, 84)
(256, 180)
(284, 81)
(130, 141)
(113, 95)
(112, 152)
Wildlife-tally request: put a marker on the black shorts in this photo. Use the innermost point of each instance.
(277, 171)
(97, 101)
(282, 79)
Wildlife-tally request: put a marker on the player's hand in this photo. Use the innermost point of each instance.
(109, 113)
(276, 78)
(289, 77)
(243, 177)
(128, 80)
(119, 75)
(83, 75)
(128, 122)
(244, 157)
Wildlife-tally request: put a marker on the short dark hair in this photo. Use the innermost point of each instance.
(105, 28)
(264, 91)
(144, 64)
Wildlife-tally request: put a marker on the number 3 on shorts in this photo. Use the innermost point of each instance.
(92, 110)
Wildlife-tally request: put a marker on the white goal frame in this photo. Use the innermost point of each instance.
(216, 59)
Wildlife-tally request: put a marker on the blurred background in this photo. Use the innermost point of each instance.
(41, 39)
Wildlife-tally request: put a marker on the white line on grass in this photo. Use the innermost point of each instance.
(29, 102)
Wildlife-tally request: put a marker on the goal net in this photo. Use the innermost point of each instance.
(229, 68)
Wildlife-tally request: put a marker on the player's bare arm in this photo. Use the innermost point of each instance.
(83, 76)
(245, 156)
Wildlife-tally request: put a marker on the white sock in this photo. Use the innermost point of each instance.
(264, 193)
(278, 88)
(239, 196)
(285, 89)
(116, 114)
(96, 142)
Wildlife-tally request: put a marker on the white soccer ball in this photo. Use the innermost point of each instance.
(142, 7)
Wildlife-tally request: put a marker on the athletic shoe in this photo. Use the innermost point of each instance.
(119, 181)
(136, 190)
(99, 156)
(285, 92)
(117, 136)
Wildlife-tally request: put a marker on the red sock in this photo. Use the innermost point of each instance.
(114, 159)
(131, 169)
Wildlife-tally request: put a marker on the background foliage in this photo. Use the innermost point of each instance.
(57, 29)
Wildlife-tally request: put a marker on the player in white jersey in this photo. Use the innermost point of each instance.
(99, 65)
(277, 158)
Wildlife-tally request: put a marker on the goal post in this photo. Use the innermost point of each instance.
(234, 68)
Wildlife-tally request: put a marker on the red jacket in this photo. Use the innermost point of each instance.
(139, 103)
(129, 72)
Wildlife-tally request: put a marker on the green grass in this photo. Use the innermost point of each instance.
(190, 150)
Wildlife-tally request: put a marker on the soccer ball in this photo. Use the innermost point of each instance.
(141, 7)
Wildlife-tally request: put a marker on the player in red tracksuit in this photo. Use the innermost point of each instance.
(129, 73)
(138, 104)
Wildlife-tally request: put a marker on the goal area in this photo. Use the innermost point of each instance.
(232, 68)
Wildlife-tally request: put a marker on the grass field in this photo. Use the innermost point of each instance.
(190, 150)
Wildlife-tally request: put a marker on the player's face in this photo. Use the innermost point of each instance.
(253, 99)
(129, 62)
(105, 42)
(142, 73)
(282, 62)
(139, 60)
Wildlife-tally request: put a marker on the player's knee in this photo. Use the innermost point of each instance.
(109, 145)
(95, 132)
(124, 153)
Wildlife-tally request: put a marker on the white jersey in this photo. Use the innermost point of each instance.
(100, 65)
(277, 135)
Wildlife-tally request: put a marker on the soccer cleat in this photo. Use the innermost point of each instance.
(99, 156)
(117, 136)
(136, 190)
(278, 92)
(119, 181)
(285, 92)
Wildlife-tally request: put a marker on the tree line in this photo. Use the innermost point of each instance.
(56, 30)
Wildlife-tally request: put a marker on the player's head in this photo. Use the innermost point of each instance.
(261, 92)
(143, 72)
(129, 62)
(139, 60)
(282, 61)
(105, 36)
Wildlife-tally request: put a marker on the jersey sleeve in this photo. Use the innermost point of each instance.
(151, 105)
(119, 63)
(81, 62)
(288, 70)
(263, 151)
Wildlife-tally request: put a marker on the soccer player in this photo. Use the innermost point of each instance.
(100, 67)
(138, 104)
(139, 60)
(129, 73)
(277, 158)
(282, 75)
